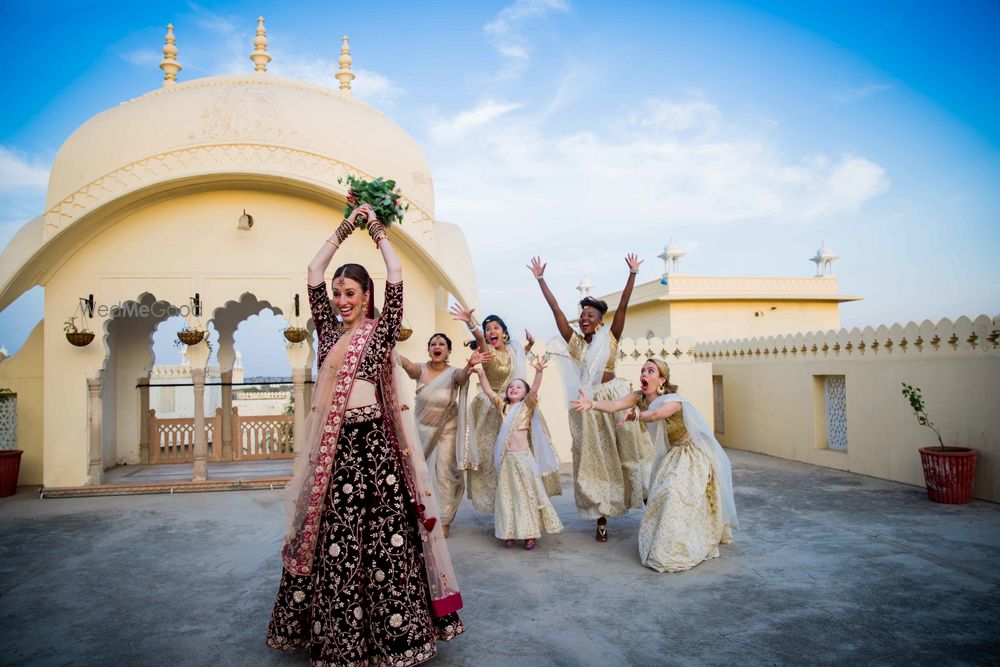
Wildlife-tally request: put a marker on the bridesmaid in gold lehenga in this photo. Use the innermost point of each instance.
(691, 510)
(507, 363)
(439, 412)
(610, 466)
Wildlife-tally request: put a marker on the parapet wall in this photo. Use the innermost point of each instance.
(834, 398)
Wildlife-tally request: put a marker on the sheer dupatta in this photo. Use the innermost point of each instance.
(305, 493)
(585, 373)
(546, 459)
(702, 437)
(397, 395)
(435, 405)
(466, 450)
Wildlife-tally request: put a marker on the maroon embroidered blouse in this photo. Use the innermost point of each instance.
(383, 337)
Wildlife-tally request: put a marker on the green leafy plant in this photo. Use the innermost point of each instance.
(916, 399)
(69, 326)
(382, 195)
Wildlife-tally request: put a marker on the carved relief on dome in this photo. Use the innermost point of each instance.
(242, 113)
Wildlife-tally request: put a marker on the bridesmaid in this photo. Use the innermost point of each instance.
(691, 509)
(506, 364)
(610, 466)
(440, 411)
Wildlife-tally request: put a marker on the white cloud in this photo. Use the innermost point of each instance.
(519, 185)
(18, 172)
(372, 87)
(458, 126)
(506, 33)
(142, 57)
(510, 17)
(855, 94)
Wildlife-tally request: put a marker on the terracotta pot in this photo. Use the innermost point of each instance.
(80, 338)
(190, 337)
(10, 466)
(296, 334)
(949, 473)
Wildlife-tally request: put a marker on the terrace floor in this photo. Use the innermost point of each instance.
(829, 568)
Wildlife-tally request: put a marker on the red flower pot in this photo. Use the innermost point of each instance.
(949, 473)
(10, 466)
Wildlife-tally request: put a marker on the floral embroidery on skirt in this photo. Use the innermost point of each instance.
(366, 601)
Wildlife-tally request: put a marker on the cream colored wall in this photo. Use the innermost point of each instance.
(180, 246)
(23, 374)
(773, 404)
(718, 320)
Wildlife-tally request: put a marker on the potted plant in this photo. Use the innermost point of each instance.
(75, 335)
(949, 472)
(10, 456)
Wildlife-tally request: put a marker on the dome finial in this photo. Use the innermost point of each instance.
(344, 74)
(169, 64)
(260, 56)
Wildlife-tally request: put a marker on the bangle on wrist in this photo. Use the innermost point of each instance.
(539, 278)
(333, 243)
(633, 272)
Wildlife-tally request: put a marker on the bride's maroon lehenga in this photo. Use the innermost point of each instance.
(366, 600)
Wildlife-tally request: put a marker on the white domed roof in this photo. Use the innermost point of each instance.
(254, 123)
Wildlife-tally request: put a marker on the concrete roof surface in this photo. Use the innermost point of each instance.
(829, 568)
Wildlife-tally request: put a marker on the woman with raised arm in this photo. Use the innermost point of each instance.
(476, 443)
(440, 412)
(691, 510)
(367, 578)
(608, 463)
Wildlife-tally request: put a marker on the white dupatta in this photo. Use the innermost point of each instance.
(585, 373)
(546, 459)
(703, 438)
(466, 451)
(435, 406)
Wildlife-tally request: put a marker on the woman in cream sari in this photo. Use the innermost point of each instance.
(691, 510)
(610, 466)
(440, 413)
(476, 442)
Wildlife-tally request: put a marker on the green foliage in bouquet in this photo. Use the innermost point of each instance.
(380, 194)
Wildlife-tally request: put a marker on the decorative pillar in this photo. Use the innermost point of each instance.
(200, 473)
(227, 409)
(299, 377)
(344, 75)
(169, 64)
(143, 383)
(95, 468)
(260, 56)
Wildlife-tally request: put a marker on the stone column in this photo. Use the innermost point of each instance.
(299, 377)
(95, 468)
(143, 383)
(227, 410)
(200, 473)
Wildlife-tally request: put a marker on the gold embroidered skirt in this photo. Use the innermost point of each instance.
(523, 509)
(610, 466)
(683, 524)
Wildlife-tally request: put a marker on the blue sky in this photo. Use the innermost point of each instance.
(747, 132)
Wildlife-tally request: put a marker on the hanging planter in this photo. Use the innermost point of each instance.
(404, 333)
(190, 336)
(296, 334)
(75, 335)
